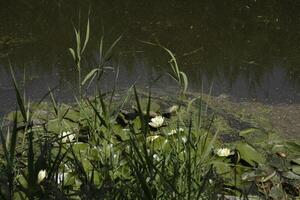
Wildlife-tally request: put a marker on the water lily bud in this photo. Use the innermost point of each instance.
(223, 152)
(184, 139)
(281, 154)
(152, 138)
(41, 176)
(156, 157)
(172, 132)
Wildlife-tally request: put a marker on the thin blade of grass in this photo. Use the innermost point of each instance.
(113, 90)
(13, 139)
(103, 106)
(87, 35)
(78, 42)
(101, 49)
(72, 53)
(30, 161)
(47, 94)
(89, 75)
(111, 47)
(98, 114)
(140, 112)
(5, 151)
(185, 81)
(55, 107)
(18, 94)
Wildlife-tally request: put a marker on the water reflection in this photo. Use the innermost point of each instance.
(250, 49)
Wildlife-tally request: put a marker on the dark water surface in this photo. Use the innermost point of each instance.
(248, 49)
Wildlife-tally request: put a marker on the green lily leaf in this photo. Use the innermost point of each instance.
(296, 160)
(291, 175)
(249, 154)
(296, 169)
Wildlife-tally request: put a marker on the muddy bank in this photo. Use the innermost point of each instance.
(282, 118)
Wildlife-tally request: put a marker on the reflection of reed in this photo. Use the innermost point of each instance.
(245, 40)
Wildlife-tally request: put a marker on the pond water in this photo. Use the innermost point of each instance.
(247, 49)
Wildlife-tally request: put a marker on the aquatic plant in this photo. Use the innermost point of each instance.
(178, 75)
(77, 52)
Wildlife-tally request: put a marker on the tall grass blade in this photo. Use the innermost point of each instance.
(101, 49)
(18, 94)
(185, 81)
(4, 146)
(108, 52)
(73, 54)
(87, 36)
(103, 122)
(31, 173)
(14, 139)
(78, 42)
(140, 111)
(91, 74)
(55, 107)
(47, 94)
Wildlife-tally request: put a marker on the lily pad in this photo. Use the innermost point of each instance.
(296, 169)
(277, 193)
(291, 175)
(296, 161)
(254, 135)
(249, 154)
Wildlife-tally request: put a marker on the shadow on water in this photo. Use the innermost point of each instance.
(249, 49)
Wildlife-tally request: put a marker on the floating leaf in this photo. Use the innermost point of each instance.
(222, 167)
(291, 175)
(249, 154)
(247, 131)
(296, 169)
(277, 192)
(293, 147)
(249, 176)
(296, 161)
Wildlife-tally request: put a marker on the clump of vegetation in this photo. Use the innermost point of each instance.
(140, 146)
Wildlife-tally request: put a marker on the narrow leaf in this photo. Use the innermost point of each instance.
(72, 53)
(111, 47)
(185, 81)
(87, 36)
(101, 49)
(18, 95)
(89, 75)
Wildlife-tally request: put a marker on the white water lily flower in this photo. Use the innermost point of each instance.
(156, 122)
(184, 139)
(156, 157)
(152, 138)
(223, 152)
(42, 175)
(174, 131)
(67, 136)
(61, 177)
